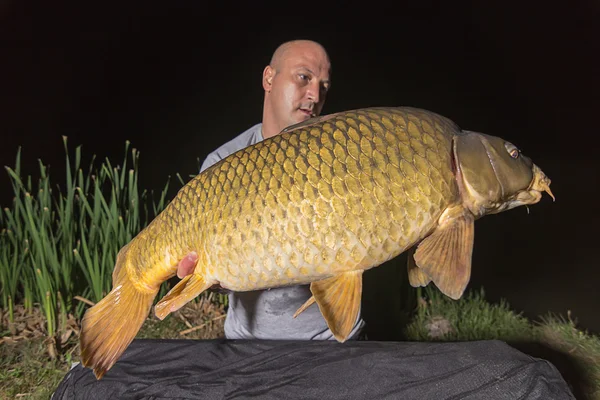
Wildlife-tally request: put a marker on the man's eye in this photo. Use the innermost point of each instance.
(303, 77)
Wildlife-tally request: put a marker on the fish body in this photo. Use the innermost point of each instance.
(347, 193)
(319, 204)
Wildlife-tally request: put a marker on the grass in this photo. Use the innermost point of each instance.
(470, 318)
(574, 352)
(28, 371)
(58, 243)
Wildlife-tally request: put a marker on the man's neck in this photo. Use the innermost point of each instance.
(268, 130)
(270, 127)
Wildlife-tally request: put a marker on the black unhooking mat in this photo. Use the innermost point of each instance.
(222, 369)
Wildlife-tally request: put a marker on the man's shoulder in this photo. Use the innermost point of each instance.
(249, 137)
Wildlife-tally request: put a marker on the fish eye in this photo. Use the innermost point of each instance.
(512, 150)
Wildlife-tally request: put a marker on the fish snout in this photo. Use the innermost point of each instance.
(541, 183)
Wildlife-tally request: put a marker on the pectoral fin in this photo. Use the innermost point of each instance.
(187, 289)
(416, 276)
(445, 255)
(339, 299)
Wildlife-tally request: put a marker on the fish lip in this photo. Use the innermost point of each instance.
(523, 198)
(540, 183)
(534, 193)
(529, 197)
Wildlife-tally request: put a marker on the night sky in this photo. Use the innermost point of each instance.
(178, 81)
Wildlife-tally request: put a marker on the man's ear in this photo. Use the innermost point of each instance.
(267, 81)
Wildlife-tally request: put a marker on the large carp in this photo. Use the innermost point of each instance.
(319, 203)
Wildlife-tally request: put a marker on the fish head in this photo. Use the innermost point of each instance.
(494, 175)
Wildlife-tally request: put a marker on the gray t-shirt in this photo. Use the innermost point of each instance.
(268, 314)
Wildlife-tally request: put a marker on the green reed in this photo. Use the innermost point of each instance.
(56, 244)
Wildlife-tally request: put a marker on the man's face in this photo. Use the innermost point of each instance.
(297, 88)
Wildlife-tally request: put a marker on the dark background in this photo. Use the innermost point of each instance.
(179, 80)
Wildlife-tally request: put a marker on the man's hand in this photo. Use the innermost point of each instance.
(187, 265)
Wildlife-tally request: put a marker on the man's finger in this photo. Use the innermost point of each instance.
(187, 264)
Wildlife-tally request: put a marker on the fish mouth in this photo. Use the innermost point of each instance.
(540, 183)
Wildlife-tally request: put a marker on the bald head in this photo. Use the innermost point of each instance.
(295, 45)
(296, 82)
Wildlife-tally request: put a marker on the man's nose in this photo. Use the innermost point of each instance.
(314, 91)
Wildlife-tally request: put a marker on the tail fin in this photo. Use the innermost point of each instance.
(112, 324)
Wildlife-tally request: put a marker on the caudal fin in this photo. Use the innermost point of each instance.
(112, 324)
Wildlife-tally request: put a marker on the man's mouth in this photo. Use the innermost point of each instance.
(308, 112)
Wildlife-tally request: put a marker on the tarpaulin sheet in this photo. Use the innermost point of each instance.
(257, 369)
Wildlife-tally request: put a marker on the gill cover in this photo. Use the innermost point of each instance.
(492, 170)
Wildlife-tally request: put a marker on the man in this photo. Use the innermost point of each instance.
(295, 82)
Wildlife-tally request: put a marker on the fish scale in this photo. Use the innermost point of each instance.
(363, 176)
